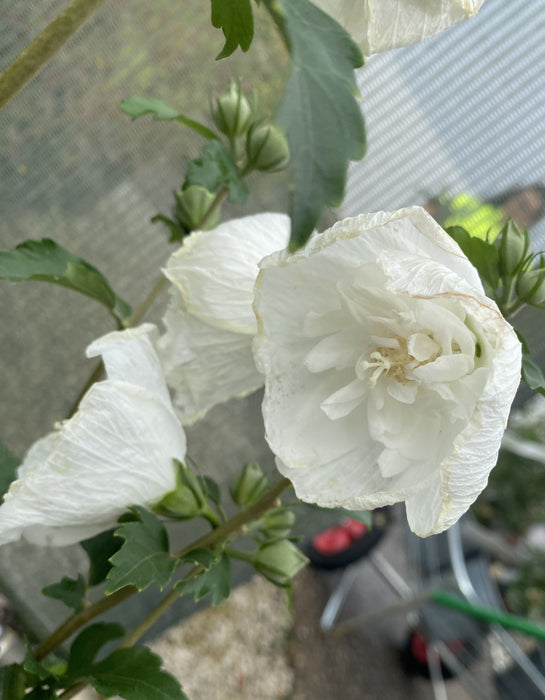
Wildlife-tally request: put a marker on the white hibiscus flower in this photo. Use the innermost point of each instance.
(116, 451)
(380, 25)
(207, 348)
(388, 374)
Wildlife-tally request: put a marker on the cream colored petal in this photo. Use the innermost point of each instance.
(204, 364)
(215, 270)
(115, 452)
(380, 25)
(129, 356)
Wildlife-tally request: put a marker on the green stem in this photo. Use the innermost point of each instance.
(237, 554)
(75, 622)
(44, 47)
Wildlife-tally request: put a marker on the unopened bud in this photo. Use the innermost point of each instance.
(187, 500)
(249, 486)
(277, 522)
(514, 243)
(267, 148)
(232, 113)
(192, 204)
(531, 285)
(278, 561)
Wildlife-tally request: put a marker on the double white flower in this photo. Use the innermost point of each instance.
(389, 375)
(116, 451)
(380, 25)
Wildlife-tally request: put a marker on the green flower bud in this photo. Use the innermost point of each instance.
(187, 500)
(192, 203)
(249, 486)
(267, 148)
(233, 113)
(530, 285)
(278, 561)
(514, 243)
(277, 522)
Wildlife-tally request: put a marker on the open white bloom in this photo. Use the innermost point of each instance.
(388, 374)
(380, 25)
(207, 348)
(116, 451)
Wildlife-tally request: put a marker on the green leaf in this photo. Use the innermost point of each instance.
(69, 591)
(532, 375)
(201, 557)
(134, 674)
(236, 20)
(12, 682)
(216, 168)
(136, 107)
(318, 111)
(216, 580)
(87, 645)
(144, 557)
(8, 468)
(483, 255)
(32, 666)
(100, 549)
(47, 261)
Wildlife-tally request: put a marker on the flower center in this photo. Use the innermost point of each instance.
(392, 361)
(388, 361)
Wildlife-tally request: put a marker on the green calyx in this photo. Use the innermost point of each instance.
(267, 148)
(232, 113)
(249, 486)
(278, 561)
(513, 248)
(187, 500)
(192, 205)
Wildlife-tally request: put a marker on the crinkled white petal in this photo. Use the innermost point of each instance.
(355, 418)
(205, 364)
(116, 451)
(380, 25)
(215, 270)
(206, 350)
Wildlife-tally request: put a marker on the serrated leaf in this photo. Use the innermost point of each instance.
(33, 668)
(136, 107)
(216, 581)
(216, 168)
(8, 468)
(532, 375)
(201, 557)
(12, 682)
(144, 557)
(100, 549)
(235, 19)
(318, 111)
(69, 591)
(47, 261)
(134, 674)
(87, 645)
(481, 254)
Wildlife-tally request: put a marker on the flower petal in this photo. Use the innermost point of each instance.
(205, 364)
(116, 451)
(380, 25)
(215, 270)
